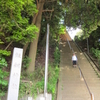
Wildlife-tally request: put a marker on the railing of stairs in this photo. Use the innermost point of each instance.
(81, 74)
(46, 62)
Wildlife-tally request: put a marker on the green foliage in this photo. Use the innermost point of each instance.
(30, 7)
(16, 26)
(94, 37)
(25, 62)
(57, 56)
(1, 42)
(5, 52)
(3, 82)
(62, 29)
(56, 26)
(84, 13)
(52, 81)
(3, 62)
(3, 74)
(16, 21)
(24, 36)
(96, 53)
(36, 82)
(1, 94)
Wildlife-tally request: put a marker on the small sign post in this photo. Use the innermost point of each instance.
(14, 80)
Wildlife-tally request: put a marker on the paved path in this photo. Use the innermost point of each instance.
(71, 86)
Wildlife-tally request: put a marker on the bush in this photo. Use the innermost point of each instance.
(52, 81)
(3, 74)
(3, 62)
(96, 53)
(36, 82)
(25, 62)
(3, 82)
(56, 56)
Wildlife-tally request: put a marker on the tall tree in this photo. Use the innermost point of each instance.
(48, 12)
(33, 45)
(83, 13)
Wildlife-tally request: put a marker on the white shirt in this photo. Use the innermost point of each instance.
(74, 58)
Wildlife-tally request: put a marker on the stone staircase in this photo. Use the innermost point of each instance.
(71, 85)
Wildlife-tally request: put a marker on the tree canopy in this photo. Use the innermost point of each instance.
(83, 13)
(15, 21)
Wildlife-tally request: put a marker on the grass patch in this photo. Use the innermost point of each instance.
(35, 83)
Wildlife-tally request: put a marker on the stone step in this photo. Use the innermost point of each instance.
(72, 86)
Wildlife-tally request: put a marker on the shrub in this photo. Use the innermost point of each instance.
(3, 74)
(25, 62)
(36, 82)
(96, 53)
(3, 62)
(3, 82)
(56, 56)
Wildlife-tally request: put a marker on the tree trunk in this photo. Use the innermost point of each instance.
(33, 22)
(33, 46)
(25, 46)
(24, 49)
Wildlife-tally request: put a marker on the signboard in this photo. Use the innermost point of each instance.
(14, 81)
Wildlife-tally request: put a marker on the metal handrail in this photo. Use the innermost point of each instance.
(46, 62)
(84, 79)
(91, 94)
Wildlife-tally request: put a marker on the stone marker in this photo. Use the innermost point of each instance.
(14, 81)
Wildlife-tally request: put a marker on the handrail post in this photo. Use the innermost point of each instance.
(68, 43)
(46, 62)
(87, 45)
(92, 96)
